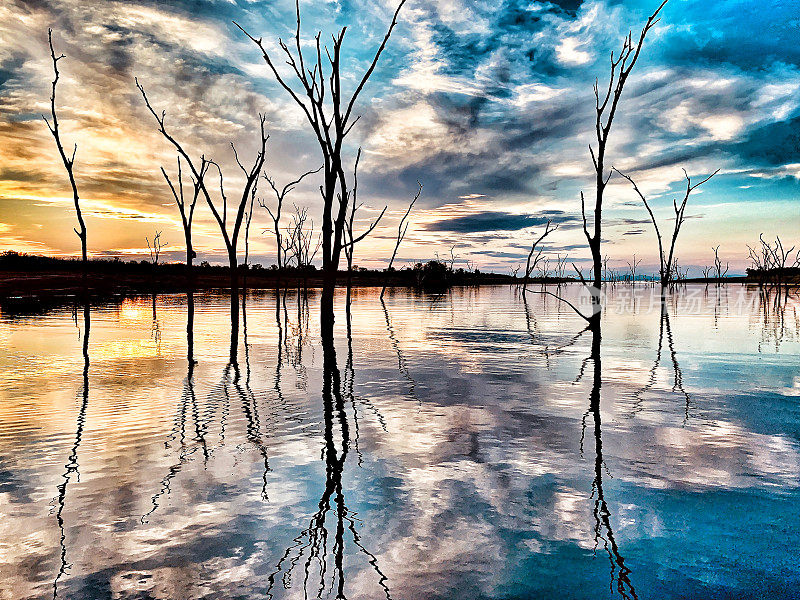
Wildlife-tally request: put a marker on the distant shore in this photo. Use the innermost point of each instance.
(27, 280)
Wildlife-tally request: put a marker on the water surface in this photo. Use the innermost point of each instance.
(446, 447)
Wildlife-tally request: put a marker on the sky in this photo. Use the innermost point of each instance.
(488, 104)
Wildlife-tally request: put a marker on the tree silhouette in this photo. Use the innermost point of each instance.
(330, 116)
(668, 262)
(606, 106)
(69, 162)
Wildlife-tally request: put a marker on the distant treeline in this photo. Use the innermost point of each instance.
(137, 274)
(779, 275)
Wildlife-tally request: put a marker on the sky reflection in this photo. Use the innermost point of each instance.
(453, 446)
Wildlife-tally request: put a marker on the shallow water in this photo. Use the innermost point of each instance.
(448, 449)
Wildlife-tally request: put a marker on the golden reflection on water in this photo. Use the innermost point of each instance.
(458, 444)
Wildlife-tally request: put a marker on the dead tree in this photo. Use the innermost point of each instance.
(605, 111)
(69, 162)
(280, 195)
(632, 268)
(760, 259)
(666, 261)
(221, 215)
(298, 240)
(402, 229)
(450, 263)
(561, 267)
(187, 215)
(155, 248)
(531, 263)
(331, 118)
(248, 218)
(718, 269)
(350, 239)
(778, 259)
(544, 268)
(248, 194)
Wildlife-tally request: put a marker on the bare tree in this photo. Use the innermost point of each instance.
(187, 215)
(280, 195)
(298, 239)
(544, 268)
(561, 267)
(402, 229)
(69, 162)
(718, 269)
(666, 271)
(632, 268)
(449, 262)
(248, 218)
(155, 247)
(330, 116)
(350, 239)
(606, 109)
(770, 262)
(531, 263)
(221, 215)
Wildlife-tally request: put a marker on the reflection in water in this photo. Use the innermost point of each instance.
(401, 362)
(677, 386)
(314, 542)
(250, 404)
(440, 459)
(72, 462)
(780, 321)
(603, 529)
(155, 332)
(187, 402)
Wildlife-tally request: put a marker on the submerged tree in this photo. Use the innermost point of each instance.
(221, 215)
(668, 262)
(155, 247)
(402, 229)
(719, 270)
(533, 259)
(69, 162)
(297, 244)
(331, 118)
(351, 239)
(606, 106)
(632, 266)
(280, 195)
(187, 215)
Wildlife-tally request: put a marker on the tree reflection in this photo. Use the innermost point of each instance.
(664, 327)
(188, 402)
(320, 547)
(72, 462)
(155, 330)
(241, 386)
(401, 361)
(777, 311)
(603, 530)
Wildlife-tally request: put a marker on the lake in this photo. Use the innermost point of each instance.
(459, 445)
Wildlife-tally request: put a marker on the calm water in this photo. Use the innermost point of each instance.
(451, 451)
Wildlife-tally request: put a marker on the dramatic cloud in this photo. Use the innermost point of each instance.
(499, 221)
(489, 105)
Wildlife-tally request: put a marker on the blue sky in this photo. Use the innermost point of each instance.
(488, 104)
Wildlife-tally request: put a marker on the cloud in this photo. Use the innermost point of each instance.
(499, 221)
(475, 100)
